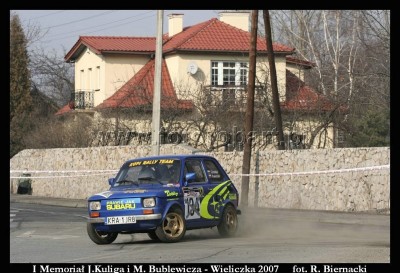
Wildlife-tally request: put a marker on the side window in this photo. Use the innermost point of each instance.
(194, 166)
(213, 172)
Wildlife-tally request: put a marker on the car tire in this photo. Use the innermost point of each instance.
(152, 235)
(172, 228)
(229, 222)
(100, 237)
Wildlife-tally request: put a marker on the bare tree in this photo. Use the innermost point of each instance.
(350, 48)
(52, 75)
(64, 132)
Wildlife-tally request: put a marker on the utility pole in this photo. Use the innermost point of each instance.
(248, 125)
(274, 84)
(155, 124)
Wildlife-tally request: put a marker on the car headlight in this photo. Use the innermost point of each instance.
(95, 205)
(149, 202)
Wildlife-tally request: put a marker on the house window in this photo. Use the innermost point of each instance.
(90, 79)
(82, 79)
(213, 173)
(97, 78)
(340, 138)
(243, 73)
(229, 73)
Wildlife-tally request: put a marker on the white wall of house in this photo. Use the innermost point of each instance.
(90, 74)
(105, 73)
(324, 139)
(141, 123)
(280, 67)
(240, 20)
(120, 68)
(183, 80)
(296, 70)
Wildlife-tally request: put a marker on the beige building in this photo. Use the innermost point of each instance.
(207, 62)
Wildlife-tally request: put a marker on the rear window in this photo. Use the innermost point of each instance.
(213, 172)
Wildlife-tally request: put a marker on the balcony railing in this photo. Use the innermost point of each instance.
(232, 96)
(83, 99)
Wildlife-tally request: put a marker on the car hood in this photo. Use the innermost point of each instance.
(131, 192)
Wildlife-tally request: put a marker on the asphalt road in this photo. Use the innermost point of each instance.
(57, 234)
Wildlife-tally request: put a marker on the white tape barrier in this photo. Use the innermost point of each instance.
(104, 172)
(96, 172)
(372, 168)
(69, 171)
(58, 176)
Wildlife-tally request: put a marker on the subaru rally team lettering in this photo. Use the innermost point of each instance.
(151, 162)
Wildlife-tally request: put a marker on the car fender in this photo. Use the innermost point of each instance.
(169, 205)
(226, 202)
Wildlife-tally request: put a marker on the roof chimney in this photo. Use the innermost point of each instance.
(175, 24)
(239, 19)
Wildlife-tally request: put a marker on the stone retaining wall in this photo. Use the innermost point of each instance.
(318, 179)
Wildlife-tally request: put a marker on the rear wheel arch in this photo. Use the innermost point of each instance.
(228, 224)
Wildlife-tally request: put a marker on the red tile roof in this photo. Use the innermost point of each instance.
(299, 96)
(63, 110)
(138, 91)
(103, 44)
(304, 63)
(212, 35)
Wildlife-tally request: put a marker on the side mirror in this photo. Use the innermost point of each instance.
(190, 177)
(111, 181)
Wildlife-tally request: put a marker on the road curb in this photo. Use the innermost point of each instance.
(24, 198)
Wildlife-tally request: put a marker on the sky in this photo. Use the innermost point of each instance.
(62, 28)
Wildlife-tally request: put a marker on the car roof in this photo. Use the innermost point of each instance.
(180, 157)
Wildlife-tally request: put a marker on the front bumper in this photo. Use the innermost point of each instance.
(101, 220)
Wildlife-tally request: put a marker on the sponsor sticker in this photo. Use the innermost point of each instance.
(122, 204)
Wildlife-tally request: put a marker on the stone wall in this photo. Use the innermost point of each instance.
(319, 179)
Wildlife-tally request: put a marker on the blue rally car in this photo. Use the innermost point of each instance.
(164, 196)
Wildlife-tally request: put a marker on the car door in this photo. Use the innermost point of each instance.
(220, 190)
(194, 192)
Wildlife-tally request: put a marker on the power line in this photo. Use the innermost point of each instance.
(34, 18)
(62, 38)
(80, 20)
(112, 22)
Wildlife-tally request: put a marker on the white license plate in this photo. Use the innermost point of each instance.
(118, 220)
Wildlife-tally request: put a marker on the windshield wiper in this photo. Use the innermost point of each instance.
(149, 178)
(126, 181)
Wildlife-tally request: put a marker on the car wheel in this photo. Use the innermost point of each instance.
(172, 228)
(229, 222)
(152, 235)
(100, 237)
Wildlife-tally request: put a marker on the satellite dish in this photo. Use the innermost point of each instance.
(192, 68)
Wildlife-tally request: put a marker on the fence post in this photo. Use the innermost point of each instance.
(256, 186)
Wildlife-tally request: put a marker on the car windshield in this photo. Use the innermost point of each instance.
(160, 171)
